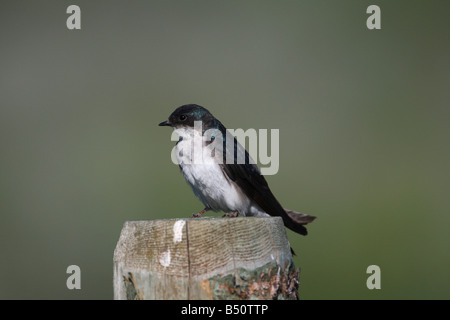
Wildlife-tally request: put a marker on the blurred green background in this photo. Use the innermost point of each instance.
(363, 118)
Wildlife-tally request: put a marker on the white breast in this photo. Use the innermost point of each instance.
(205, 175)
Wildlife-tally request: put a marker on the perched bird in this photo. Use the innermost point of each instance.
(223, 182)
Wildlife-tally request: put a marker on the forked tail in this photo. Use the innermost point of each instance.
(297, 221)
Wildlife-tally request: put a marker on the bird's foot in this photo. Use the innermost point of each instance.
(199, 215)
(231, 215)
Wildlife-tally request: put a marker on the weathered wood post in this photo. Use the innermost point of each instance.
(204, 258)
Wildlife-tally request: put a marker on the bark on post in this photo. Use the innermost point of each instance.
(204, 258)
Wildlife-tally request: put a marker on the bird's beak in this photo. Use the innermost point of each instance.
(165, 123)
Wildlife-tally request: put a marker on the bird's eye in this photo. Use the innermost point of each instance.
(183, 117)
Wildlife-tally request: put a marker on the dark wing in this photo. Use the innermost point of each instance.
(249, 178)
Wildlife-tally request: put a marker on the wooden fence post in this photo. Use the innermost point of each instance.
(204, 258)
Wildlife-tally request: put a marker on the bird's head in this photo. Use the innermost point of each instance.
(186, 116)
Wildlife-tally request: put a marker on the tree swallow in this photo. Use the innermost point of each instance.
(224, 178)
